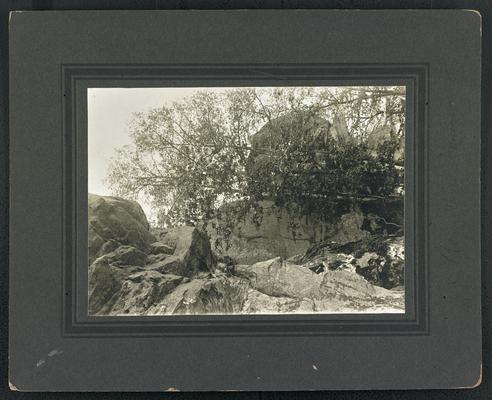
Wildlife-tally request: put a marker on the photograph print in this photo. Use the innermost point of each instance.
(246, 200)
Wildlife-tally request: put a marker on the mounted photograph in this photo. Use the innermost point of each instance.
(246, 200)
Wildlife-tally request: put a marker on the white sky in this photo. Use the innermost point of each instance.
(109, 112)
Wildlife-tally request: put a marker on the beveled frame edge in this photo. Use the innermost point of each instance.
(247, 325)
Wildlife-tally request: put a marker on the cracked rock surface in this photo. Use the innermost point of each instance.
(175, 271)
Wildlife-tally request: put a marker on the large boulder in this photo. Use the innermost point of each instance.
(191, 250)
(294, 288)
(314, 129)
(112, 222)
(280, 279)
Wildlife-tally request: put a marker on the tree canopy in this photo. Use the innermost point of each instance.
(218, 154)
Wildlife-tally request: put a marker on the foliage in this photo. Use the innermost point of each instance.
(199, 159)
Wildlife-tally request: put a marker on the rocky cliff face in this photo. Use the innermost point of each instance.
(274, 236)
(133, 272)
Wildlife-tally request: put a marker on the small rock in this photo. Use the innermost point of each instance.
(126, 255)
(363, 262)
(169, 265)
(154, 258)
(109, 246)
(318, 268)
(161, 248)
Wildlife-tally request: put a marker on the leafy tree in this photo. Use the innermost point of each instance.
(217, 155)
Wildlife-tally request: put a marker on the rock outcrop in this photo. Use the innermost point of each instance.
(114, 222)
(207, 295)
(178, 273)
(142, 290)
(301, 290)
